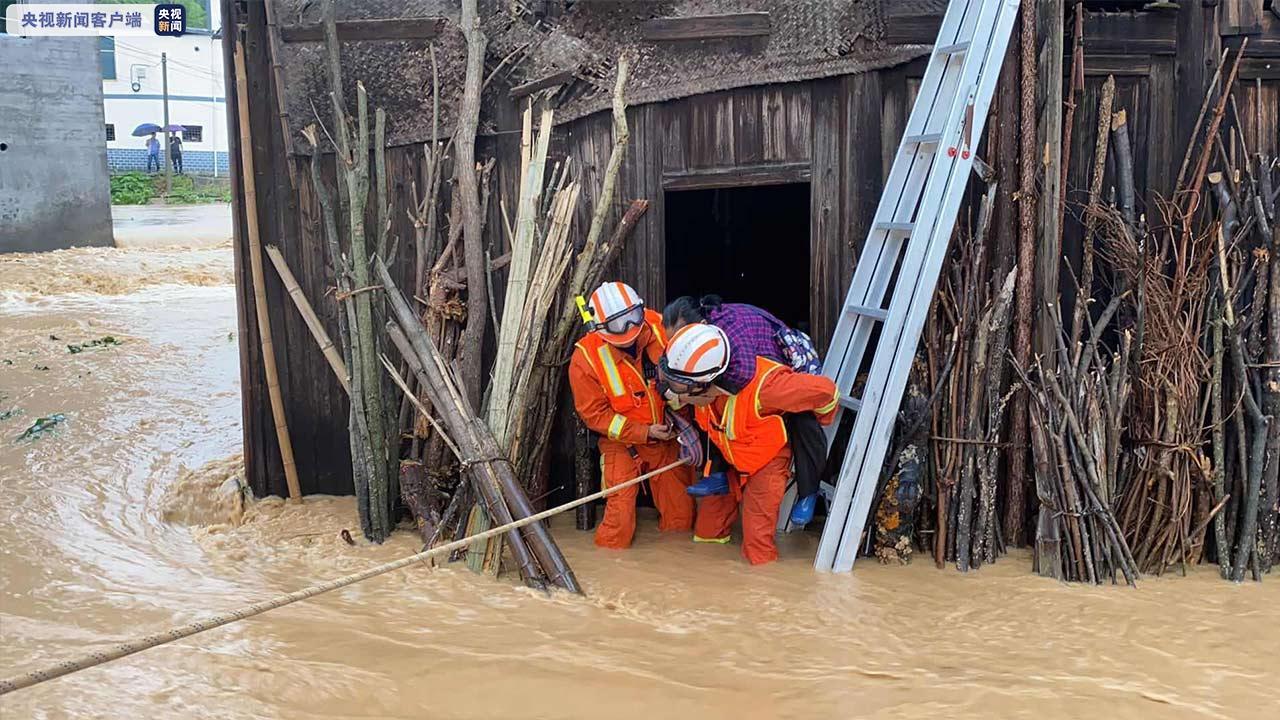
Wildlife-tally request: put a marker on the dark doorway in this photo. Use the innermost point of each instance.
(745, 244)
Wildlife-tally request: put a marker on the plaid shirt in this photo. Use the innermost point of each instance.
(751, 332)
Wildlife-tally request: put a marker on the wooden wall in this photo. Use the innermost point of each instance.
(838, 134)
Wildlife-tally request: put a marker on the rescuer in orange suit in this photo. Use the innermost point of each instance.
(612, 375)
(747, 427)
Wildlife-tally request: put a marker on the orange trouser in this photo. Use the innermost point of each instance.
(761, 495)
(675, 507)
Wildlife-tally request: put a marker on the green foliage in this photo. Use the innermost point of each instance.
(106, 341)
(133, 188)
(185, 191)
(138, 188)
(42, 425)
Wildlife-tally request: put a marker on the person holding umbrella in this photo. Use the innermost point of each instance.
(153, 153)
(149, 131)
(175, 151)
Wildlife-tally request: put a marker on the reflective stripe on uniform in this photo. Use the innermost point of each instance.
(763, 378)
(616, 425)
(835, 398)
(730, 410)
(611, 371)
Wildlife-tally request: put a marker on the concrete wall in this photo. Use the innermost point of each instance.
(54, 187)
(194, 162)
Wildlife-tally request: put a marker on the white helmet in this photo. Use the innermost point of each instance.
(619, 313)
(697, 354)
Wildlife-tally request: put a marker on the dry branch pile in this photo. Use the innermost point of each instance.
(1152, 423)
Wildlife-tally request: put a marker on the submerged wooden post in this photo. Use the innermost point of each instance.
(259, 282)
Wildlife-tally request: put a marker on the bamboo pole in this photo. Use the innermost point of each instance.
(591, 262)
(487, 465)
(523, 249)
(259, 282)
(309, 316)
(124, 649)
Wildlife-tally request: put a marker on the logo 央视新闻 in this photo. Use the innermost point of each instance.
(171, 19)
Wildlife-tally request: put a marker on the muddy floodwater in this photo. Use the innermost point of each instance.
(126, 518)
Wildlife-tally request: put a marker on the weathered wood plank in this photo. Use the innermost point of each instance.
(711, 131)
(703, 27)
(862, 172)
(916, 29)
(1129, 34)
(738, 176)
(748, 130)
(1199, 47)
(893, 115)
(1097, 65)
(557, 78)
(796, 102)
(824, 216)
(675, 135)
(1265, 68)
(785, 123)
(1240, 17)
(773, 123)
(418, 28)
(1159, 116)
(650, 231)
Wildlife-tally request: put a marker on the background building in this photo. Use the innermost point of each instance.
(133, 93)
(54, 190)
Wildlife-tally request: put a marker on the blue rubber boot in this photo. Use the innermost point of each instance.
(802, 510)
(713, 484)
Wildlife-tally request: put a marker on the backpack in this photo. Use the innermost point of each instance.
(800, 352)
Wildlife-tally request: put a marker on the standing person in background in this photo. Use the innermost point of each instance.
(753, 332)
(175, 151)
(153, 153)
(612, 375)
(747, 427)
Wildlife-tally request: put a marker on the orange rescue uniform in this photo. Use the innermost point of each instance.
(614, 399)
(749, 431)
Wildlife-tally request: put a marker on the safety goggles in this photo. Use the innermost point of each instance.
(674, 386)
(622, 321)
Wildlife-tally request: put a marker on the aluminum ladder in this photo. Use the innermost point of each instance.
(904, 251)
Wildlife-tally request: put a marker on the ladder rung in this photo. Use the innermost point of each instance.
(896, 226)
(850, 403)
(873, 313)
(925, 139)
(955, 49)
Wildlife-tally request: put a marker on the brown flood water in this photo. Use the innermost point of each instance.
(126, 519)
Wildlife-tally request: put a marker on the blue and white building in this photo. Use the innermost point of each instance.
(132, 90)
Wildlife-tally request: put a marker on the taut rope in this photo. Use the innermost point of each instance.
(130, 647)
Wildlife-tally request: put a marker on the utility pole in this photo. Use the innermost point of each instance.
(168, 161)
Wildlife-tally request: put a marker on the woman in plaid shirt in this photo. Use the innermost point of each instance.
(753, 332)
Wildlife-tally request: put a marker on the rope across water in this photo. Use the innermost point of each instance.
(115, 652)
